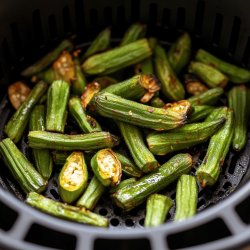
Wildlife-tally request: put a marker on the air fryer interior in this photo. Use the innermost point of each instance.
(30, 29)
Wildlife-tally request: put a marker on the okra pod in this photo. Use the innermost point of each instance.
(238, 101)
(170, 84)
(42, 157)
(117, 58)
(145, 67)
(133, 33)
(80, 82)
(200, 112)
(218, 147)
(134, 113)
(87, 142)
(128, 166)
(122, 184)
(186, 197)
(48, 75)
(58, 95)
(133, 195)
(65, 211)
(105, 81)
(106, 167)
(73, 178)
(210, 75)
(91, 195)
(209, 97)
(90, 91)
(60, 157)
(234, 73)
(182, 138)
(48, 59)
(143, 158)
(157, 102)
(193, 85)
(85, 123)
(18, 122)
(157, 208)
(22, 170)
(179, 53)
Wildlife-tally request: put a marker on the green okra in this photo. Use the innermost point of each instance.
(128, 166)
(234, 73)
(122, 184)
(238, 101)
(86, 123)
(42, 157)
(133, 33)
(48, 59)
(22, 170)
(65, 211)
(210, 75)
(200, 112)
(179, 53)
(157, 208)
(117, 58)
(170, 84)
(143, 158)
(48, 75)
(145, 67)
(133, 195)
(60, 157)
(91, 195)
(100, 43)
(43, 99)
(18, 122)
(112, 106)
(186, 197)
(57, 101)
(218, 147)
(79, 83)
(208, 97)
(86, 142)
(182, 138)
(106, 167)
(157, 102)
(73, 177)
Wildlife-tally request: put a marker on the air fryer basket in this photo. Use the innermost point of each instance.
(30, 28)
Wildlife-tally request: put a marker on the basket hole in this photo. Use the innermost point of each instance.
(114, 222)
(17, 44)
(217, 28)
(108, 18)
(103, 211)
(54, 193)
(37, 27)
(153, 13)
(66, 20)
(141, 221)
(117, 211)
(234, 35)
(166, 17)
(7, 217)
(135, 10)
(243, 210)
(246, 54)
(199, 15)
(181, 16)
(221, 193)
(227, 185)
(129, 222)
(52, 27)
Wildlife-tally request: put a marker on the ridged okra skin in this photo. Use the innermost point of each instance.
(186, 198)
(42, 157)
(234, 73)
(145, 67)
(158, 206)
(133, 138)
(238, 101)
(133, 195)
(56, 141)
(73, 177)
(115, 107)
(218, 147)
(18, 122)
(200, 112)
(64, 211)
(122, 184)
(179, 52)
(79, 83)
(58, 96)
(182, 138)
(170, 84)
(117, 58)
(22, 170)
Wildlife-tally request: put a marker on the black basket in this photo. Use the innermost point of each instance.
(29, 29)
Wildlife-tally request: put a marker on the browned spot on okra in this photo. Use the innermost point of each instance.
(90, 91)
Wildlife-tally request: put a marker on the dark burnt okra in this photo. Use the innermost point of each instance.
(22, 170)
(234, 73)
(73, 177)
(200, 112)
(18, 122)
(186, 197)
(117, 58)
(130, 196)
(65, 211)
(58, 96)
(42, 157)
(133, 138)
(170, 84)
(173, 116)
(157, 208)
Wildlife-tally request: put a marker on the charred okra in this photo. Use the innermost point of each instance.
(186, 197)
(22, 170)
(18, 122)
(73, 177)
(64, 211)
(130, 196)
(200, 112)
(158, 206)
(57, 102)
(193, 85)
